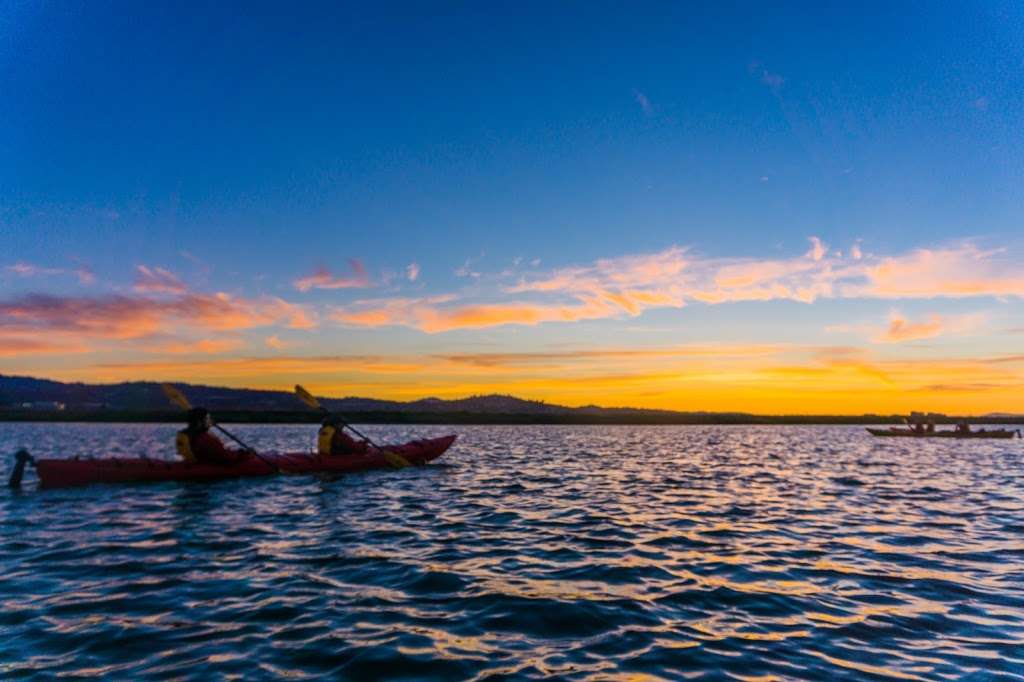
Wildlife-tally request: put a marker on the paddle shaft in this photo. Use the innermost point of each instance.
(248, 448)
(358, 433)
(179, 399)
(395, 459)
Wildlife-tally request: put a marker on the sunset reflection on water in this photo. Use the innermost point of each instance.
(575, 552)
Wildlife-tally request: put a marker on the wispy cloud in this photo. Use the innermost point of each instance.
(322, 278)
(157, 281)
(84, 274)
(274, 341)
(818, 249)
(902, 329)
(466, 269)
(412, 272)
(957, 271)
(772, 80)
(629, 285)
(644, 102)
(197, 347)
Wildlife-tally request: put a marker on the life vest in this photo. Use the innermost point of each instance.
(324, 439)
(184, 445)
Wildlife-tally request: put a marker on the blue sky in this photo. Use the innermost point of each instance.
(240, 147)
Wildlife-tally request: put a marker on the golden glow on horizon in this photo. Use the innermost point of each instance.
(758, 379)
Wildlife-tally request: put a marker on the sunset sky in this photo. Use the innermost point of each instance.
(776, 209)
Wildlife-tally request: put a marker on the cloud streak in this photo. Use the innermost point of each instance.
(900, 329)
(42, 323)
(157, 281)
(322, 278)
(627, 286)
(22, 269)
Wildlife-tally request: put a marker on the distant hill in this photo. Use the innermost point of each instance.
(30, 398)
(18, 392)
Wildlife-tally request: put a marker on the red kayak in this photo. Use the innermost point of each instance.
(58, 473)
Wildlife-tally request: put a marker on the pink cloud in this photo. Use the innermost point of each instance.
(323, 279)
(629, 285)
(197, 347)
(157, 281)
(901, 329)
(19, 346)
(818, 249)
(22, 269)
(957, 271)
(132, 317)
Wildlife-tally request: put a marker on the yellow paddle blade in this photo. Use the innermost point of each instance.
(307, 397)
(176, 396)
(396, 460)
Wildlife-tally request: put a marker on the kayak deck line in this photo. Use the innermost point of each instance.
(77, 471)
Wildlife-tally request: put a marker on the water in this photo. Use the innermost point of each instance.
(748, 553)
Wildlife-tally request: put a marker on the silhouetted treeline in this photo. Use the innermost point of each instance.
(398, 417)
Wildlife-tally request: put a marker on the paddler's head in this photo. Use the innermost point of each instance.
(331, 420)
(199, 419)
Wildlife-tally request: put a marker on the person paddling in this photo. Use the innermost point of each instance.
(333, 441)
(196, 444)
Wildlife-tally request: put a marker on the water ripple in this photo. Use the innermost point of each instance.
(578, 553)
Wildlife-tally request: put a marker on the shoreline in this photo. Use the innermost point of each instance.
(496, 419)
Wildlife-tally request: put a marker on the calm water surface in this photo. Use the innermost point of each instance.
(750, 553)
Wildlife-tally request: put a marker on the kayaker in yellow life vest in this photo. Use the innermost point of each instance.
(332, 441)
(197, 445)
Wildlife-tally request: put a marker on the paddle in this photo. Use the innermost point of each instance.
(179, 399)
(393, 458)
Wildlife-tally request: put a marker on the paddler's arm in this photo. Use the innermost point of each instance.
(209, 448)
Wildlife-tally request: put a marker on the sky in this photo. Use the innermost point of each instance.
(776, 209)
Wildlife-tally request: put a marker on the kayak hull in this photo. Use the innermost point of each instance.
(907, 433)
(58, 473)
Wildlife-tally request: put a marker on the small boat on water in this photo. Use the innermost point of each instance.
(58, 473)
(897, 432)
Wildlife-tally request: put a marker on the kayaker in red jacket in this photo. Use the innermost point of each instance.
(196, 444)
(333, 441)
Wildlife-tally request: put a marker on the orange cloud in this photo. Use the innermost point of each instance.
(952, 272)
(901, 329)
(630, 285)
(323, 279)
(275, 342)
(115, 318)
(494, 360)
(19, 346)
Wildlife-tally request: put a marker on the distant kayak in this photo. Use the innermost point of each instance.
(56, 473)
(895, 432)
